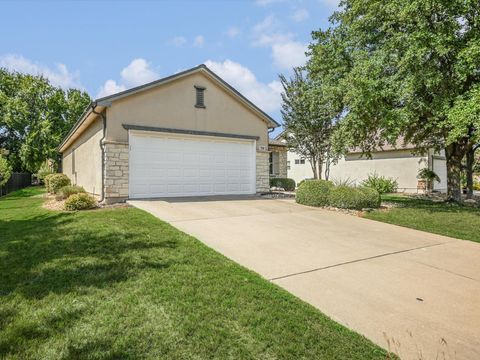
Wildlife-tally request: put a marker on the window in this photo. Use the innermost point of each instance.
(200, 96)
(302, 161)
(274, 163)
(288, 165)
(299, 161)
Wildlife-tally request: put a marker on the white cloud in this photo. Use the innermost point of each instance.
(300, 15)
(233, 32)
(138, 72)
(177, 41)
(199, 41)
(265, 96)
(286, 52)
(110, 87)
(58, 76)
(289, 54)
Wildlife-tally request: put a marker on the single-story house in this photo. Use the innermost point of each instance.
(399, 162)
(189, 134)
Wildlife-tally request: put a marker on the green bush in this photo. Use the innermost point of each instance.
(80, 201)
(56, 182)
(46, 181)
(44, 171)
(476, 185)
(285, 183)
(68, 190)
(5, 171)
(382, 184)
(313, 192)
(347, 197)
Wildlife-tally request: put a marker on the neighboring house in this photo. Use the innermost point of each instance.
(190, 134)
(398, 162)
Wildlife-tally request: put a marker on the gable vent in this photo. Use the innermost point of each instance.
(200, 96)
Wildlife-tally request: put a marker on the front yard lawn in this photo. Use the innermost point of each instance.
(440, 218)
(120, 284)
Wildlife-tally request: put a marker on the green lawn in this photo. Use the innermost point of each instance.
(440, 218)
(120, 284)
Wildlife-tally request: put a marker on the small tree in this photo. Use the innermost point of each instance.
(5, 171)
(307, 120)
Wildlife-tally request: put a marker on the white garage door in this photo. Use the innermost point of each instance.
(171, 165)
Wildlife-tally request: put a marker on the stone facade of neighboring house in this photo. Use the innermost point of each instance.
(278, 162)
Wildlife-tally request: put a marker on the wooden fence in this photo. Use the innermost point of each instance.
(16, 182)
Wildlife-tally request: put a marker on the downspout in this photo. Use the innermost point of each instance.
(102, 147)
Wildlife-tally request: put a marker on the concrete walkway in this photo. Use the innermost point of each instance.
(416, 293)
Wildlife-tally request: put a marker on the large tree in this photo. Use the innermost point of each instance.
(34, 117)
(308, 120)
(412, 65)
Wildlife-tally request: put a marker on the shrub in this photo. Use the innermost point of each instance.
(347, 197)
(343, 182)
(285, 183)
(68, 190)
(46, 181)
(313, 192)
(5, 171)
(302, 181)
(44, 171)
(476, 185)
(80, 201)
(57, 181)
(382, 184)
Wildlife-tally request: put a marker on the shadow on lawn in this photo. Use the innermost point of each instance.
(50, 253)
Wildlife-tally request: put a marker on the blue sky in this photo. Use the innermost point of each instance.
(108, 46)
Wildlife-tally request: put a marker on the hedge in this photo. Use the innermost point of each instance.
(347, 197)
(66, 191)
(285, 183)
(80, 201)
(56, 182)
(314, 192)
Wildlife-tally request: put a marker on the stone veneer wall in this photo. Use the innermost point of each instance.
(282, 159)
(116, 172)
(263, 178)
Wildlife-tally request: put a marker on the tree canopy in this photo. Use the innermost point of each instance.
(308, 120)
(34, 118)
(407, 68)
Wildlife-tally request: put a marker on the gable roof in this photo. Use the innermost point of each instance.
(106, 101)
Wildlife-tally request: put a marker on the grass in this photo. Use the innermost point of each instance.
(121, 284)
(436, 217)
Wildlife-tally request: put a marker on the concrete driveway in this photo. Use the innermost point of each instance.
(413, 292)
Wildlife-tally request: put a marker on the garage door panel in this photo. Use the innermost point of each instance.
(166, 166)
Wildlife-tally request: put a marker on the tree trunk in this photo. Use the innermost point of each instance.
(469, 171)
(327, 168)
(320, 167)
(313, 163)
(454, 154)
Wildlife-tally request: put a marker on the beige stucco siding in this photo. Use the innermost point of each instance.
(172, 106)
(82, 160)
(401, 165)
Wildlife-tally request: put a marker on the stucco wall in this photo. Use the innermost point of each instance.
(82, 160)
(401, 165)
(172, 106)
